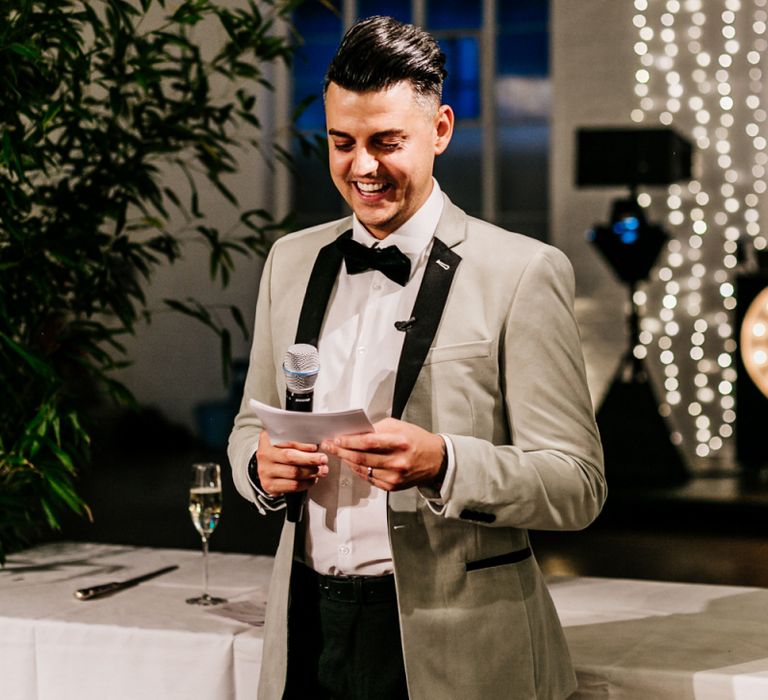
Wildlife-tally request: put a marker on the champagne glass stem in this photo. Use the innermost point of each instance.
(205, 567)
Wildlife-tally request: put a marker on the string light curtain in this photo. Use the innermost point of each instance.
(700, 71)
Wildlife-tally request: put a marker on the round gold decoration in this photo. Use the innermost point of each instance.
(754, 341)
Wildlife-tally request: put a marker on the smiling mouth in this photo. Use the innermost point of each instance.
(369, 189)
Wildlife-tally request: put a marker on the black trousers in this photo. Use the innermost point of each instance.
(341, 650)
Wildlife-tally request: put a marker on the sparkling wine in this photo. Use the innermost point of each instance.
(205, 508)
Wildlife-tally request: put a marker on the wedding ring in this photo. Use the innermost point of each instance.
(370, 472)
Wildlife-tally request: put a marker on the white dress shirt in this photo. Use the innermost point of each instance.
(346, 517)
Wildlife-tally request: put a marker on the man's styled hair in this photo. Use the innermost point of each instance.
(379, 52)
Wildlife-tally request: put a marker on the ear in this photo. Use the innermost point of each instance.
(443, 128)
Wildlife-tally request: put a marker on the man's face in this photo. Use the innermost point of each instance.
(382, 147)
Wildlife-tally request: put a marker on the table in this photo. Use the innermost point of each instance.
(651, 640)
(629, 639)
(141, 642)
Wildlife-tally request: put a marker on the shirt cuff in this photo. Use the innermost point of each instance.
(437, 500)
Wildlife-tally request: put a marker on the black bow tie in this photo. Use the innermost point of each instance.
(390, 261)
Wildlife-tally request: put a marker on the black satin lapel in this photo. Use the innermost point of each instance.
(319, 288)
(427, 310)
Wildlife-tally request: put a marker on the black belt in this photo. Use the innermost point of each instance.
(349, 589)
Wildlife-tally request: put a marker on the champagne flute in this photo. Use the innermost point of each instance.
(205, 509)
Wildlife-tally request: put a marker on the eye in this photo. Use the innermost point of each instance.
(389, 145)
(342, 145)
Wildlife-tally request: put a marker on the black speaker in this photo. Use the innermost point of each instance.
(751, 426)
(630, 157)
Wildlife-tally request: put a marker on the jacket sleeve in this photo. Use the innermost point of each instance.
(260, 384)
(551, 475)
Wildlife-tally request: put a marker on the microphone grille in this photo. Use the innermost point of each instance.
(300, 367)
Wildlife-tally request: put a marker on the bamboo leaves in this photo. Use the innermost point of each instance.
(108, 127)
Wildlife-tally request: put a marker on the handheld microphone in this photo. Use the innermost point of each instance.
(300, 368)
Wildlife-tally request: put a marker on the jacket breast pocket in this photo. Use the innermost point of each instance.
(458, 389)
(461, 351)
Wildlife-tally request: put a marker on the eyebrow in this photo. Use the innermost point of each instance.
(379, 134)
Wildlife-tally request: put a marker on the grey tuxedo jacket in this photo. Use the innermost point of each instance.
(494, 361)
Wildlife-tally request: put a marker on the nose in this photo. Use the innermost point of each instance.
(364, 163)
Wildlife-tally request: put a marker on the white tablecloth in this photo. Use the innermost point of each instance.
(142, 642)
(630, 640)
(650, 640)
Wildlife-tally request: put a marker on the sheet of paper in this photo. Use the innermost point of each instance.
(294, 426)
(251, 612)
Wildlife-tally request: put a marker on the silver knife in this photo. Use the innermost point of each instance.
(114, 586)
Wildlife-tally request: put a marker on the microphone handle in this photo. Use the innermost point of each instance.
(294, 502)
(298, 402)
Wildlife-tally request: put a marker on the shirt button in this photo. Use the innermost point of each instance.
(361, 350)
(377, 286)
(346, 482)
(344, 550)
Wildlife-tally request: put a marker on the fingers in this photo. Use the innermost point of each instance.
(398, 453)
(380, 460)
(289, 467)
(380, 477)
(303, 446)
(386, 469)
(284, 477)
(382, 449)
(378, 450)
(278, 487)
(289, 453)
(370, 442)
(298, 458)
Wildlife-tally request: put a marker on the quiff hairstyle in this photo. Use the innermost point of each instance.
(379, 52)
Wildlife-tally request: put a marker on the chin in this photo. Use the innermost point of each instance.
(381, 225)
(368, 219)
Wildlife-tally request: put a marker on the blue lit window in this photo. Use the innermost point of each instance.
(454, 15)
(522, 44)
(321, 32)
(399, 9)
(461, 88)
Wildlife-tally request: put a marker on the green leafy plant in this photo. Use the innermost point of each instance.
(102, 104)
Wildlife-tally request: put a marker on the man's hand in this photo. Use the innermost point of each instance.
(398, 455)
(289, 467)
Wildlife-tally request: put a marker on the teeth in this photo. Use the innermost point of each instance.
(370, 186)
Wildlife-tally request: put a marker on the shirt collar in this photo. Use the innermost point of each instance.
(414, 235)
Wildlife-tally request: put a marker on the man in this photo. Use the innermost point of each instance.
(410, 573)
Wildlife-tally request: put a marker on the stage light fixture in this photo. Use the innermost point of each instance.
(628, 242)
(630, 157)
(629, 413)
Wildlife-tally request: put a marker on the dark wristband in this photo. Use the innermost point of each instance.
(253, 473)
(437, 483)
